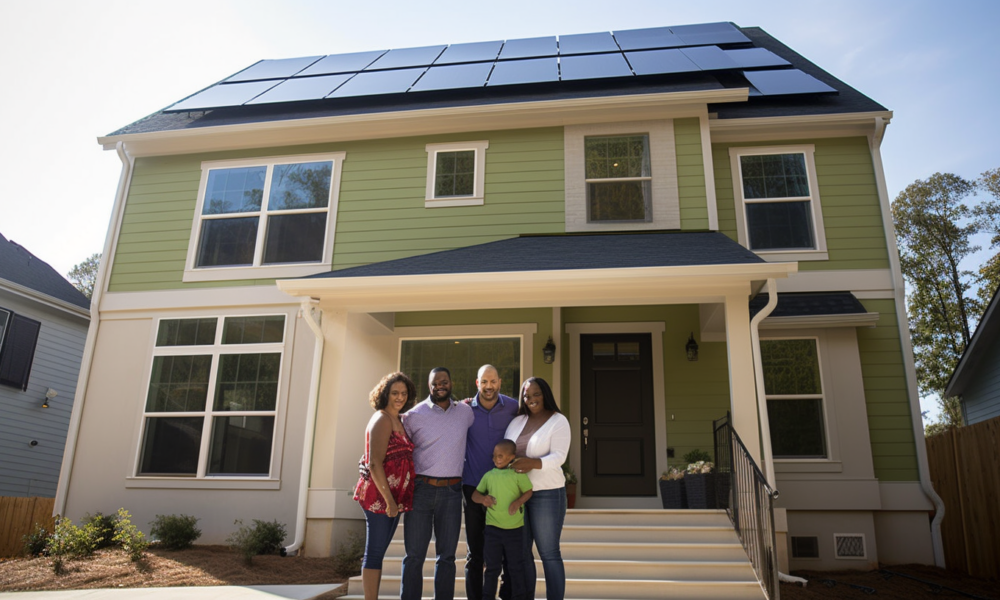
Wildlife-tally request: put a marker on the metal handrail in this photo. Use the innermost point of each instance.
(743, 491)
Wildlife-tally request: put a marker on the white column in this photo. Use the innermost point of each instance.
(742, 390)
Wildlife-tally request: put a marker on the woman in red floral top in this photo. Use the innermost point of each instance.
(387, 488)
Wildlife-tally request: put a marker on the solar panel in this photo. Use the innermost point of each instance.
(342, 63)
(709, 58)
(587, 43)
(273, 69)
(407, 57)
(302, 88)
(755, 57)
(657, 62)
(535, 70)
(786, 81)
(709, 33)
(464, 53)
(452, 77)
(529, 48)
(225, 94)
(593, 66)
(647, 39)
(368, 83)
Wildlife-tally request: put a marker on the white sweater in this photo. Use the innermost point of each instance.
(551, 444)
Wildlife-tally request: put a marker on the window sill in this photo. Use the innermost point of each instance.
(265, 272)
(791, 256)
(208, 483)
(444, 203)
(819, 465)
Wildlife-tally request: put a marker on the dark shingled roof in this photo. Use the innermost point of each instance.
(19, 266)
(567, 252)
(810, 304)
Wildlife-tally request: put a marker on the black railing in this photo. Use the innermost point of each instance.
(748, 499)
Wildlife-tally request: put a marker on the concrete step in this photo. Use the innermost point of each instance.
(652, 551)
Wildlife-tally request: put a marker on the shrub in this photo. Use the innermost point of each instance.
(36, 541)
(102, 528)
(262, 538)
(347, 562)
(175, 532)
(69, 541)
(697, 456)
(132, 541)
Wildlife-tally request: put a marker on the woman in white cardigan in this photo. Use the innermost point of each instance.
(542, 436)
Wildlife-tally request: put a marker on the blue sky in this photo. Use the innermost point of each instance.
(74, 70)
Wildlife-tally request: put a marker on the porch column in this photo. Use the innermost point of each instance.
(742, 386)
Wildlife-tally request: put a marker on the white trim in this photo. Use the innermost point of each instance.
(664, 205)
(50, 301)
(209, 483)
(258, 270)
(151, 303)
(760, 129)
(855, 281)
(478, 195)
(709, 168)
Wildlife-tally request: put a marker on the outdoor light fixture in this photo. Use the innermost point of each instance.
(50, 394)
(549, 352)
(692, 348)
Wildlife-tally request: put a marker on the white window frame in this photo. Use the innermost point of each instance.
(258, 270)
(823, 397)
(479, 186)
(665, 202)
(202, 479)
(819, 251)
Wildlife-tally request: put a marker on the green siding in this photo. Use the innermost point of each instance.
(691, 174)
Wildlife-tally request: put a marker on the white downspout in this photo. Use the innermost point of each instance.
(310, 432)
(904, 337)
(100, 285)
(758, 370)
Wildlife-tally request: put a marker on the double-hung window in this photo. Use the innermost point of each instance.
(18, 338)
(619, 178)
(456, 174)
(793, 385)
(212, 399)
(265, 218)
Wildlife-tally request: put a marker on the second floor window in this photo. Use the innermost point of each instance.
(618, 177)
(456, 174)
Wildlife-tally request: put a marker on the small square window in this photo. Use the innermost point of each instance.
(456, 174)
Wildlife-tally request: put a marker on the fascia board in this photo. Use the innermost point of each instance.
(813, 321)
(759, 129)
(402, 123)
(51, 302)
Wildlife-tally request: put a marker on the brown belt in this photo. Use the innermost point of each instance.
(439, 482)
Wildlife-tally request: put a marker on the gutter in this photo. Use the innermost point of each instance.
(310, 432)
(83, 379)
(758, 370)
(899, 296)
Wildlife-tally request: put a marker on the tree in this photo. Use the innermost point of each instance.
(988, 217)
(84, 275)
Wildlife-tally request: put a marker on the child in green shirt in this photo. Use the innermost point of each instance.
(503, 492)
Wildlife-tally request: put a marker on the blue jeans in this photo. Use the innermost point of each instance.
(379, 530)
(436, 510)
(544, 514)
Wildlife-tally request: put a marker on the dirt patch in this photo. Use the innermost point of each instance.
(197, 566)
(859, 584)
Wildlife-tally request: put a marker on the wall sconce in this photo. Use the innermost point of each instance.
(691, 348)
(50, 394)
(549, 352)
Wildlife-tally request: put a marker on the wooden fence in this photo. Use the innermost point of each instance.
(18, 517)
(965, 470)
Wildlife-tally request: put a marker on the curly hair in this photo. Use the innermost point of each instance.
(379, 396)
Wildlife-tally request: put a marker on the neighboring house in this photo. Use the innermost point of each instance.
(282, 239)
(976, 379)
(43, 327)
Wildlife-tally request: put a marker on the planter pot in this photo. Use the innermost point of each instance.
(672, 493)
(570, 495)
(699, 488)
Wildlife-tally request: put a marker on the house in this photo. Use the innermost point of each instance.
(283, 238)
(43, 325)
(976, 380)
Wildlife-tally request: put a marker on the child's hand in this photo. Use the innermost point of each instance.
(489, 501)
(513, 508)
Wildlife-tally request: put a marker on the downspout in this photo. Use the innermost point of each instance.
(83, 379)
(899, 297)
(758, 370)
(310, 432)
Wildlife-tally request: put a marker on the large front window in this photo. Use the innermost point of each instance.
(463, 357)
(212, 397)
(793, 385)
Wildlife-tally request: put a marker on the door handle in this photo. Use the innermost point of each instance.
(586, 433)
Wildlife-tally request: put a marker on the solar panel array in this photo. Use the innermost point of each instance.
(593, 56)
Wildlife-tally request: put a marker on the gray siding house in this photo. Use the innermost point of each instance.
(977, 377)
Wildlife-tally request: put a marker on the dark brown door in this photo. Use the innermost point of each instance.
(616, 415)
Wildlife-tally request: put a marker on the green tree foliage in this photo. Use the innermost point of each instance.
(988, 217)
(84, 275)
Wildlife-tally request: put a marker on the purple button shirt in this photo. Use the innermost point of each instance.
(487, 429)
(438, 437)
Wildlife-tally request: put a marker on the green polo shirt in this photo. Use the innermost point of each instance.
(506, 485)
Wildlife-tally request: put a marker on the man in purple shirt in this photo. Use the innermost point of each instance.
(438, 427)
(493, 412)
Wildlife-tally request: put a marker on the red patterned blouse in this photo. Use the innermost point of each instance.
(398, 466)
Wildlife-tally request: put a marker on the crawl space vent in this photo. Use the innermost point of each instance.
(805, 546)
(849, 545)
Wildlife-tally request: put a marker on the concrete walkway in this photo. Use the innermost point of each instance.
(222, 592)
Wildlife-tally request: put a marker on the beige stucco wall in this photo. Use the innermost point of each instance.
(903, 538)
(823, 525)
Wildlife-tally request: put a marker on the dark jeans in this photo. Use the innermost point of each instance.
(475, 527)
(504, 545)
(436, 510)
(379, 530)
(544, 514)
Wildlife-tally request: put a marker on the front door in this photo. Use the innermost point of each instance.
(616, 415)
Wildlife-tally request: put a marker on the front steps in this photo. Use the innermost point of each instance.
(613, 554)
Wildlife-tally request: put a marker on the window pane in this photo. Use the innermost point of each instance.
(454, 174)
(604, 350)
(797, 428)
(241, 446)
(247, 382)
(253, 330)
(303, 185)
(628, 351)
(186, 332)
(619, 156)
(790, 367)
(779, 225)
(295, 238)
(227, 242)
(774, 176)
(171, 446)
(234, 190)
(462, 357)
(178, 384)
(618, 201)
